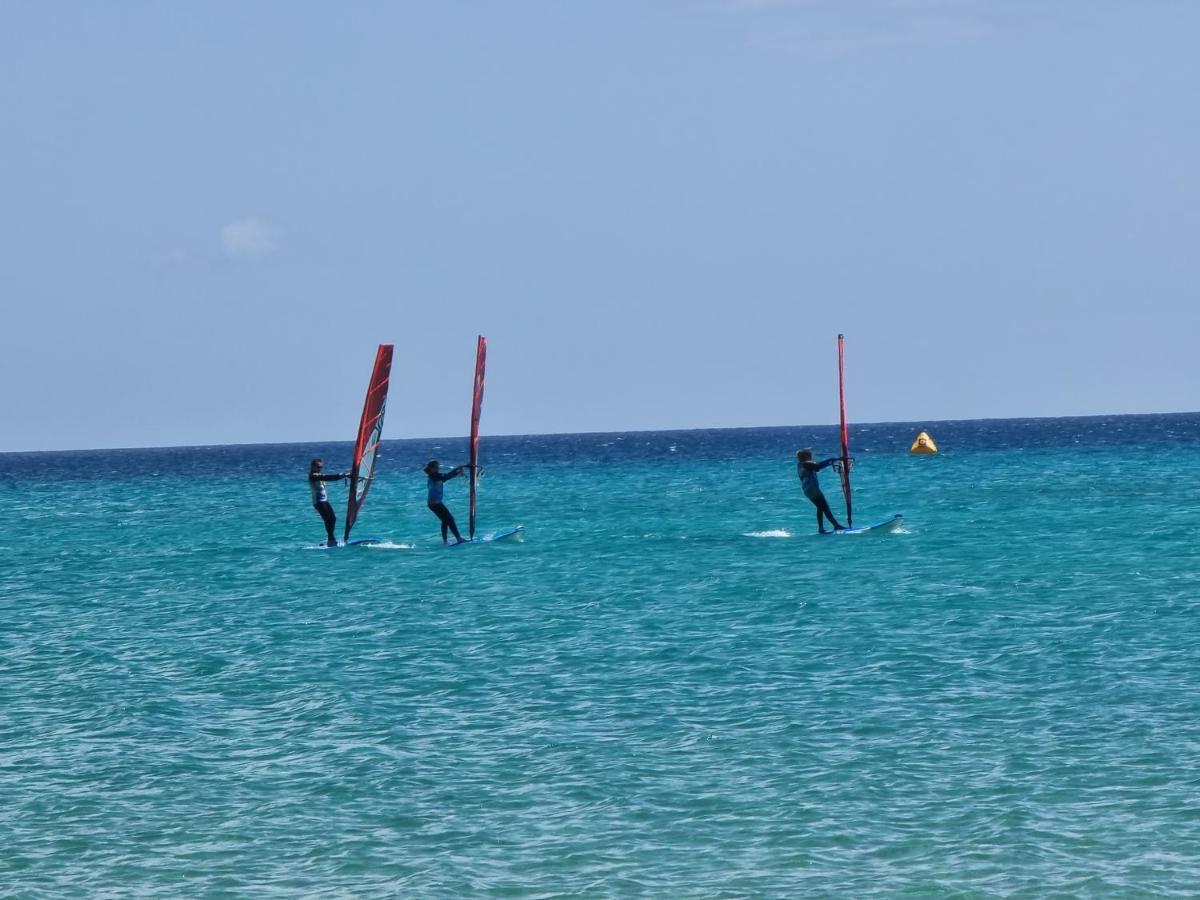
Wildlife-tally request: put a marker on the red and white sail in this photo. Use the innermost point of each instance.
(370, 430)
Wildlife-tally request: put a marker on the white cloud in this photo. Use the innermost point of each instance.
(250, 239)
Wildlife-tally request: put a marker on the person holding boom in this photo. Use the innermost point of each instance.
(807, 470)
(434, 499)
(320, 496)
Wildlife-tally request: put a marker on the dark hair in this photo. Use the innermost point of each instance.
(312, 466)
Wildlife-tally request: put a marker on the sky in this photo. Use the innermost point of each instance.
(661, 213)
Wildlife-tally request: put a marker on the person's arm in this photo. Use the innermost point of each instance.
(827, 462)
(330, 476)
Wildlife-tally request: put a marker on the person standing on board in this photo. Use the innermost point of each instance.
(807, 470)
(434, 501)
(320, 496)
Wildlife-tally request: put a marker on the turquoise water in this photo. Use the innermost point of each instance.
(671, 688)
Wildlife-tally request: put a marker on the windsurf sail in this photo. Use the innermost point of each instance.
(370, 429)
(844, 466)
(476, 407)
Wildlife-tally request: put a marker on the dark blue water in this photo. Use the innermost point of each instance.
(1157, 432)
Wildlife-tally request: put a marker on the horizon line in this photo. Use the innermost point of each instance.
(586, 433)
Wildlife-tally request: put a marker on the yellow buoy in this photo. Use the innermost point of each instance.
(923, 444)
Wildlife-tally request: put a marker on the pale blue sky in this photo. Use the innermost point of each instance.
(661, 213)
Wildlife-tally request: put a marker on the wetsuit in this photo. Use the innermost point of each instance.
(435, 504)
(812, 490)
(320, 501)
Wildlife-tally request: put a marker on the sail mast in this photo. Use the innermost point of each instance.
(476, 407)
(844, 468)
(370, 430)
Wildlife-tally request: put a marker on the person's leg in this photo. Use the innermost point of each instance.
(436, 509)
(820, 520)
(823, 507)
(329, 517)
(447, 521)
(453, 525)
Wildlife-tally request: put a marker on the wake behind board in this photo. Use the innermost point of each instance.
(887, 525)
(514, 534)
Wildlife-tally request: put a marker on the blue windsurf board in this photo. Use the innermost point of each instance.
(516, 533)
(357, 542)
(890, 524)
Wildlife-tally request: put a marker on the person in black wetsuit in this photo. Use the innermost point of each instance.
(807, 470)
(320, 496)
(434, 501)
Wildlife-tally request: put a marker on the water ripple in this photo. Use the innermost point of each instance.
(642, 699)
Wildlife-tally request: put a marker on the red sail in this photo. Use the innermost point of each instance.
(370, 428)
(476, 406)
(845, 461)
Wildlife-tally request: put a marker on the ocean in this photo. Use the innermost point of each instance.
(672, 688)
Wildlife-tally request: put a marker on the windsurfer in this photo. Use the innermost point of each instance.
(807, 470)
(320, 496)
(436, 481)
